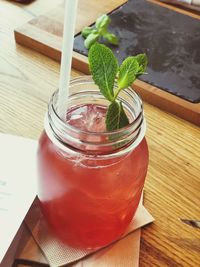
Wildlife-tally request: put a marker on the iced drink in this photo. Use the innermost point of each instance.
(90, 189)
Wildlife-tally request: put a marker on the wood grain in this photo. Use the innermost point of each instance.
(46, 30)
(183, 10)
(44, 33)
(27, 80)
(51, 23)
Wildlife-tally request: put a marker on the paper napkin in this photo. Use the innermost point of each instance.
(59, 254)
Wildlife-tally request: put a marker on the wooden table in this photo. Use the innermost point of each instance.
(27, 80)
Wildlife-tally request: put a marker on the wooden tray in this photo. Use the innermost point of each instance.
(44, 34)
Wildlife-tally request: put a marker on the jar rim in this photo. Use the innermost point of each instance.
(84, 79)
(84, 90)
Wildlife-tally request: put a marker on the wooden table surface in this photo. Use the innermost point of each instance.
(27, 80)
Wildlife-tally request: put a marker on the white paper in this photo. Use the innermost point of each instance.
(18, 182)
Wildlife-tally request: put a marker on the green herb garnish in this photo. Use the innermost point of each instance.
(98, 31)
(106, 72)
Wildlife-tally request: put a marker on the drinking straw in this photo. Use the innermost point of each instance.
(66, 56)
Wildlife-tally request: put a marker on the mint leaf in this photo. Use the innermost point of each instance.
(124, 121)
(104, 67)
(142, 61)
(130, 69)
(86, 31)
(113, 116)
(111, 38)
(127, 72)
(91, 39)
(102, 23)
(116, 117)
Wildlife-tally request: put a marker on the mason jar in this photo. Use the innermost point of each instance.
(91, 180)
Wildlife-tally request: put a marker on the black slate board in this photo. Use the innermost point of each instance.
(171, 41)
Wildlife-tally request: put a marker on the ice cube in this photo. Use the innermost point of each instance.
(88, 117)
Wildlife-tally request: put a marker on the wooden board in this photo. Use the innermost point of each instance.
(44, 34)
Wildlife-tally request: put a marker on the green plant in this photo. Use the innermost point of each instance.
(98, 31)
(106, 72)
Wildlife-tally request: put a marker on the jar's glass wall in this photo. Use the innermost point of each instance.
(91, 182)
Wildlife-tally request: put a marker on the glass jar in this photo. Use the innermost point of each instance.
(90, 180)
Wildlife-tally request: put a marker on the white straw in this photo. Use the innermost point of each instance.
(66, 58)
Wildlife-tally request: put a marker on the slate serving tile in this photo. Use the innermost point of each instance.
(171, 41)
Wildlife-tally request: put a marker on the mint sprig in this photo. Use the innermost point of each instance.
(98, 31)
(106, 73)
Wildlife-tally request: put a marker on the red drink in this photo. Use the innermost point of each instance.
(89, 198)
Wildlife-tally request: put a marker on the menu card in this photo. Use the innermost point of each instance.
(18, 187)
